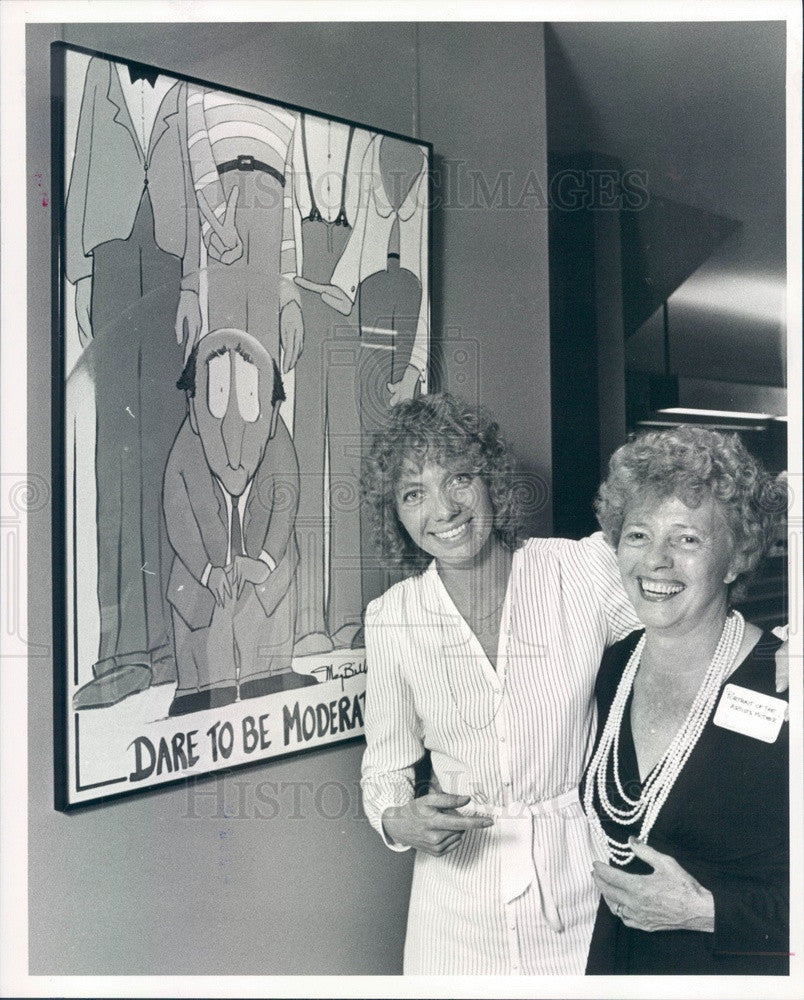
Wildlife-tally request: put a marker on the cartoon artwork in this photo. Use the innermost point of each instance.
(231, 493)
(328, 156)
(384, 266)
(245, 297)
(240, 152)
(127, 237)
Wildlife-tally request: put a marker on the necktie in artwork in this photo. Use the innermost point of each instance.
(237, 533)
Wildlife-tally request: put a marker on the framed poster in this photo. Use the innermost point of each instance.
(241, 293)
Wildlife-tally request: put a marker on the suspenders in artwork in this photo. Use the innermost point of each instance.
(315, 214)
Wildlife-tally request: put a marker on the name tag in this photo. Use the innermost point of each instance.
(750, 713)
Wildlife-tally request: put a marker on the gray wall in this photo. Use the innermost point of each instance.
(137, 886)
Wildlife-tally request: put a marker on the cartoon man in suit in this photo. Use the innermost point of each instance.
(132, 253)
(230, 497)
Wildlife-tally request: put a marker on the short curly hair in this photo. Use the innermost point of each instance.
(693, 463)
(448, 430)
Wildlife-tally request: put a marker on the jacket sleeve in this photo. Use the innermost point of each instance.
(77, 264)
(348, 272)
(182, 528)
(419, 353)
(284, 492)
(205, 180)
(289, 265)
(191, 260)
(394, 738)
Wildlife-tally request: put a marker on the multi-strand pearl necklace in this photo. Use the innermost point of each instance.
(662, 778)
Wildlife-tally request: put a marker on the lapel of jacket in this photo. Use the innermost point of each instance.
(122, 114)
(169, 108)
(381, 203)
(255, 499)
(381, 200)
(245, 516)
(260, 503)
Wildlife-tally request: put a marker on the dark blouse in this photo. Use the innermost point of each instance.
(725, 822)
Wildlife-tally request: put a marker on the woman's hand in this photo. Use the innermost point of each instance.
(430, 823)
(669, 899)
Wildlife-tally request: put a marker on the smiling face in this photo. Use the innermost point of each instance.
(232, 410)
(676, 562)
(446, 512)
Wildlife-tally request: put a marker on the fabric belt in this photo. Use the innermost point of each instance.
(248, 163)
(523, 855)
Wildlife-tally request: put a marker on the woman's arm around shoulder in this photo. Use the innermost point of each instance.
(592, 564)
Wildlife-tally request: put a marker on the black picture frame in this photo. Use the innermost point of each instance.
(103, 744)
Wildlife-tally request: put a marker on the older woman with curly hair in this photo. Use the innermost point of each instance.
(485, 656)
(687, 786)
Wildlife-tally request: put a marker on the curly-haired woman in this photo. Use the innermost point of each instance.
(486, 657)
(687, 788)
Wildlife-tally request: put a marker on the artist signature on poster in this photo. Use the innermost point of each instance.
(340, 671)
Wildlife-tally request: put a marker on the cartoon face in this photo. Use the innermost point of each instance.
(232, 410)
